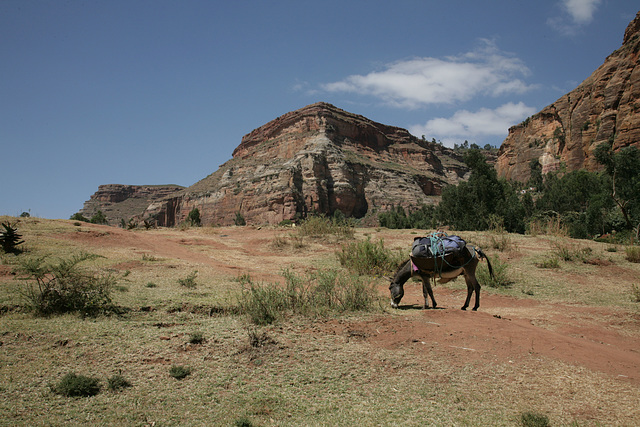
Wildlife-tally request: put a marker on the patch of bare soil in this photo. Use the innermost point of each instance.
(505, 329)
(467, 336)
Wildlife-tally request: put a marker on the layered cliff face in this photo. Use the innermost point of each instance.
(316, 159)
(119, 202)
(603, 108)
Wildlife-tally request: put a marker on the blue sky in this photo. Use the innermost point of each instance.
(161, 92)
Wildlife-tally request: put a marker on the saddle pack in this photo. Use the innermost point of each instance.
(437, 245)
(436, 251)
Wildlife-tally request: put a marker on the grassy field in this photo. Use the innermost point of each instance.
(555, 344)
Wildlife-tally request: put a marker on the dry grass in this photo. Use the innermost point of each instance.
(305, 371)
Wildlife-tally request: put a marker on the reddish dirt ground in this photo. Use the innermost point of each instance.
(505, 329)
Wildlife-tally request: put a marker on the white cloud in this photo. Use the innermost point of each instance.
(422, 81)
(581, 11)
(575, 14)
(474, 125)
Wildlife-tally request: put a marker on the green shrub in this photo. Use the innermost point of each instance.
(194, 217)
(635, 293)
(78, 217)
(196, 338)
(243, 422)
(366, 257)
(179, 372)
(501, 241)
(258, 339)
(239, 220)
(118, 382)
(532, 419)
(396, 217)
(316, 294)
(65, 287)
(549, 262)
(190, 280)
(72, 385)
(567, 251)
(99, 218)
(321, 226)
(633, 253)
(262, 303)
(500, 277)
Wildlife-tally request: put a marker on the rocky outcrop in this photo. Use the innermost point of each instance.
(119, 202)
(316, 159)
(564, 135)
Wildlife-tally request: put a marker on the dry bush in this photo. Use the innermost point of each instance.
(64, 286)
(632, 253)
(552, 226)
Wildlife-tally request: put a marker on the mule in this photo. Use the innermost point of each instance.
(462, 263)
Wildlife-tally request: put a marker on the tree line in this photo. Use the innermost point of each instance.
(584, 204)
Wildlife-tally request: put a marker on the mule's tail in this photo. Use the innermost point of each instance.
(482, 255)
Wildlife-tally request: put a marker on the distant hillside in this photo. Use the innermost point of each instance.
(118, 202)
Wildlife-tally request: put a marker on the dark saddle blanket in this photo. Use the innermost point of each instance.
(436, 251)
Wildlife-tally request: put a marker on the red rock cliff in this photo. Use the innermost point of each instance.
(317, 159)
(603, 108)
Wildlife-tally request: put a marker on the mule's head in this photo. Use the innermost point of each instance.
(397, 292)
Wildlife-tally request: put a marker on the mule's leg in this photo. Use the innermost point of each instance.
(469, 292)
(472, 285)
(427, 291)
(477, 289)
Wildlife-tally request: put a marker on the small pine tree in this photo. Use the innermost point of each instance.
(9, 238)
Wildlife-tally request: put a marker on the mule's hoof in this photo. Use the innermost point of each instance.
(394, 305)
(474, 309)
(464, 308)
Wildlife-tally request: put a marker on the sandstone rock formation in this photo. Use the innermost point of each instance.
(603, 108)
(119, 202)
(316, 159)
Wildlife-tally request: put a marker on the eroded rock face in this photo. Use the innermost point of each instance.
(603, 108)
(317, 159)
(119, 202)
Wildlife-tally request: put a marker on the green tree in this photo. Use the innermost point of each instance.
(78, 217)
(623, 169)
(239, 220)
(99, 218)
(476, 203)
(394, 218)
(580, 199)
(535, 179)
(194, 217)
